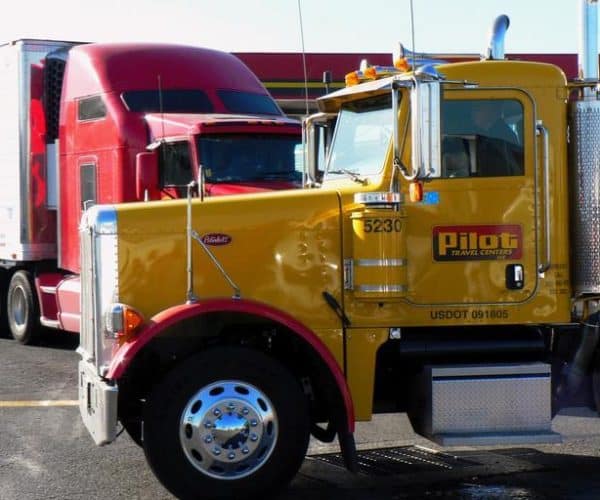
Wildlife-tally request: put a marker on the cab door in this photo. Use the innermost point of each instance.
(474, 239)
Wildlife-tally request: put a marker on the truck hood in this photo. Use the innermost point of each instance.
(178, 125)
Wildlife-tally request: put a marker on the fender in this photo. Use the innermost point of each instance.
(169, 317)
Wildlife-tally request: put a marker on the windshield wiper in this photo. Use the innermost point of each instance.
(353, 175)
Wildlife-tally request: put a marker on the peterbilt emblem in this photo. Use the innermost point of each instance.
(216, 239)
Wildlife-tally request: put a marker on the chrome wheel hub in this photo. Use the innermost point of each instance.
(228, 429)
(19, 306)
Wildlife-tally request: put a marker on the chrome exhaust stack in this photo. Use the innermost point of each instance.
(587, 59)
(495, 49)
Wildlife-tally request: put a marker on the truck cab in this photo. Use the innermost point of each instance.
(445, 266)
(477, 192)
(139, 122)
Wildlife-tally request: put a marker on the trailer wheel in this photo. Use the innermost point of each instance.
(228, 423)
(22, 309)
(3, 292)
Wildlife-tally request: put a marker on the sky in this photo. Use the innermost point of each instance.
(452, 26)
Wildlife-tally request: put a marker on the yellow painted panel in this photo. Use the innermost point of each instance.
(283, 250)
(361, 348)
(334, 340)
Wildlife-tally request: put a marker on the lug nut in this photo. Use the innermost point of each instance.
(217, 450)
(231, 456)
(253, 437)
(245, 411)
(245, 450)
(253, 423)
(208, 439)
(217, 412)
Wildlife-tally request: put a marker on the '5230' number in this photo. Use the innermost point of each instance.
(383, 225)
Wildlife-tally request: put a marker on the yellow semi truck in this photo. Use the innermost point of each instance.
(447, 266)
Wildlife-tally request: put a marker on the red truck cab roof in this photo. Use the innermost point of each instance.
(174, 124)
(118, 67)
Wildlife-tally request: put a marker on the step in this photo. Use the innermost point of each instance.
(486, 404)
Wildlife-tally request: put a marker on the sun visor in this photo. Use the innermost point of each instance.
(331, 103)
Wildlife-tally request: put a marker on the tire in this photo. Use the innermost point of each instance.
(22, 309)
(130, 412)
(596, 381)
(134, 430)
(228, 423)
(3, 293)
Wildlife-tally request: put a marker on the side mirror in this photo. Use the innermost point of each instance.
(426, 129)
(146, 176)
(318, 132)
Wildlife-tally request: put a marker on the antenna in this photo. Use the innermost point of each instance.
(303, 58)
(412, 32)
(161, 142)
(327, 80)
(160, 106)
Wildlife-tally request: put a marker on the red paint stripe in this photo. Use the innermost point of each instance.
(165, 319)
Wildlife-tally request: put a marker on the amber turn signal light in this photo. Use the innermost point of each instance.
(415, 191)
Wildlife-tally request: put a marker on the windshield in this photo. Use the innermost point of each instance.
(362, 137)
(167, 101)
(251, 158)
(245, 102)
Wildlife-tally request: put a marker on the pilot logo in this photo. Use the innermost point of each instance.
(492, 242)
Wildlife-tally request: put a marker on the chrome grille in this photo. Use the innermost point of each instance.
(99, 282)
(87, 344)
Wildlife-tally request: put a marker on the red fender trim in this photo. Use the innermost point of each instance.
(169, 317)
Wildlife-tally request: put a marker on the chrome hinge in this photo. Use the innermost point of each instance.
(348, 274)
(395, 333)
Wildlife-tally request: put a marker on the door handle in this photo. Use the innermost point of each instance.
(542, 131)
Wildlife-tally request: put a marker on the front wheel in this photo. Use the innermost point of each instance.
(228, 423)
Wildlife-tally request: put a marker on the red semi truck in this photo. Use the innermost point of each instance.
(86, 124)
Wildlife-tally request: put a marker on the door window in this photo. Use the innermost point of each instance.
(87, 179)
(482, 138)
(175, 164)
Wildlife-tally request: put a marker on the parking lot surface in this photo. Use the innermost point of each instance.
(46, 453)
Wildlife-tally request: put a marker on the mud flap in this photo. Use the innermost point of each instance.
(348, 449)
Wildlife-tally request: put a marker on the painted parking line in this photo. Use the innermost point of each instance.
(37, 404)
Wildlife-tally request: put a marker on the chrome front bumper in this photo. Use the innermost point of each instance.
(97, 404)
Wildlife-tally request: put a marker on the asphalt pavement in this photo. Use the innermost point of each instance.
(46, 453)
